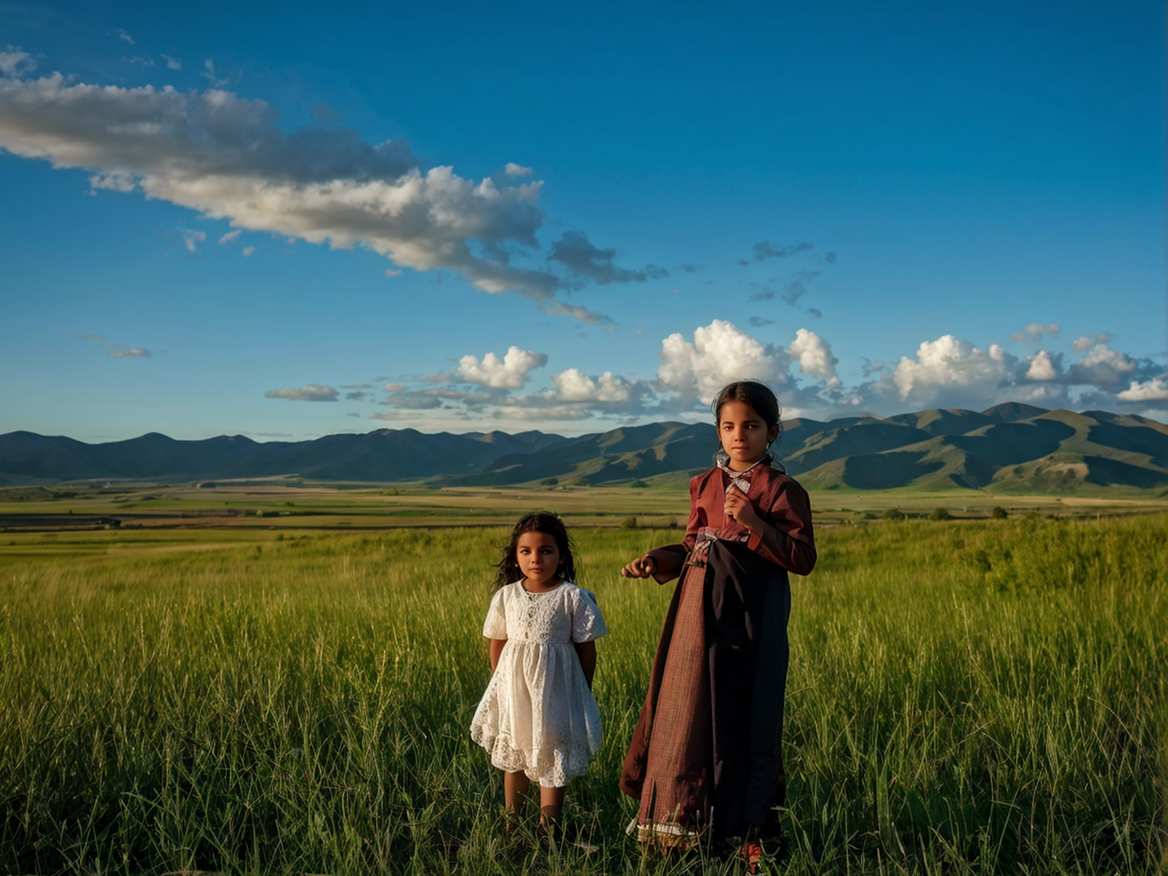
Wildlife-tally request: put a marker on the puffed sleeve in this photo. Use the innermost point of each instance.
(789, 539)
(587, 621)
(495, 626)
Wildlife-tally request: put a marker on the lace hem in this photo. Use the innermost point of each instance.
(550, 767)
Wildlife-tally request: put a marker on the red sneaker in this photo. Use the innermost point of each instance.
(751, 853)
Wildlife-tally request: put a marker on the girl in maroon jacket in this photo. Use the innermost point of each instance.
(706, 756)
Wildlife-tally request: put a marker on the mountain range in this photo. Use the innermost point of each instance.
(1010, 448)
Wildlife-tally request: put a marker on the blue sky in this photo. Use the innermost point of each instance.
(343, 217)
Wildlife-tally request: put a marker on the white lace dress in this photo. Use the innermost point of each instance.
(538, 715)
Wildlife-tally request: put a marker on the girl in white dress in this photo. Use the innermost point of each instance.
(538, 720)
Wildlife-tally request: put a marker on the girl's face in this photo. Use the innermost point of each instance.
(538, 557)
(744, 434)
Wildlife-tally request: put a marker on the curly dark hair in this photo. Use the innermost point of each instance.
(537, 521)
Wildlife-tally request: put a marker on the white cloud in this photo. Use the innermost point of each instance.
(1043, 367)
(314, 392)
(172, 63)
(248, 250)
(130, 353)
(1155, 389)
(719, 353)
(510, 372)
(15, 63)
(1103, 367)
(814, 357)
(392, 272)
(948, 370)
(513, 169)
(574, 385)
(1086, 341)
(231, 235)
(122, 35)
(225, 157)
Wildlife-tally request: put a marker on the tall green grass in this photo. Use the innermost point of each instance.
(964, 698)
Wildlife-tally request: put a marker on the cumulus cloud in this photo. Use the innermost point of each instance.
(813, 354)
(719, 353)
(947, 372)
(692, 371)
(15, 62)
(510, 372)
(314, 392)
(951, 372)
(1104, 367)
(575, 386)
(225, 157)
(172, 63)
(1044, 367)
(581, 257)
(1155, 389)
(1085, 342)
(513, 169)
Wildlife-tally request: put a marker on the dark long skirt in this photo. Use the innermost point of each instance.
(706, 755)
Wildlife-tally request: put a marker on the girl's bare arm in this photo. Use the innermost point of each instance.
(586, 651)
(496, 650)
(662, 564)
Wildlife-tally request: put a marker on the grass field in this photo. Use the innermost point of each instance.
(966, 696)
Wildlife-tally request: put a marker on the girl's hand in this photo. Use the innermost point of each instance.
(738, 507)
(641, 567)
